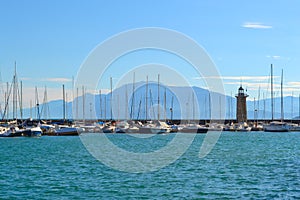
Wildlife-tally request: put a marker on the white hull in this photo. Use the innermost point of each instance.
(277, 127)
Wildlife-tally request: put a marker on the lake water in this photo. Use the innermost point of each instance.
(240, 166)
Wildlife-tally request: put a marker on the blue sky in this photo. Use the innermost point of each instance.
(50, 39)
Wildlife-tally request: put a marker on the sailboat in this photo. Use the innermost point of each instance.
(277, 126)
(156, 126)
(192, 127)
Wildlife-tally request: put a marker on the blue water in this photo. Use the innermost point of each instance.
(240, 166)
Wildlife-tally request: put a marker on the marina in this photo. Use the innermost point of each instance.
(149, 100)
(160, 124)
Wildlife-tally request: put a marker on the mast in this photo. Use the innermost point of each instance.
(264, 113)
(77, 103)
(151, 103)
(209, 106)
(254, 110)
(146, 98)
(158, 98)
(118, 99)
(220, 104)
(83, 103)
(14, 92)
(205, 108)
(272, 93)
(292, 106)
(37, 104)
(188, 110)
(258, 100)
(100, 98)
(229, 109)
(45, 108)
(4, 112)
(139, 109)
(165, 104)
(105, 107)
(193, 106)
(231, 105)
(7, 100)
(132, 100)
(111, 102)
(73, 92)
(281, 96)
(299, 110)
(126, 102)
(171, 109)
(21, 100)
(64, 105)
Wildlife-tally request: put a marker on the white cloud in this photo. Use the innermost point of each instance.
(293, 84)
(239, 78)
(249, 78)
(256, 25)
(274, 57)
(61, 80)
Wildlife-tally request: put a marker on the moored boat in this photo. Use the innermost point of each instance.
(277, 127)
(68, 131)
(193, 128)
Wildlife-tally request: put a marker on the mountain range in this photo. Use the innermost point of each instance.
(174, 102)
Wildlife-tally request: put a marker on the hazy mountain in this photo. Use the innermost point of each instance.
(128, 105)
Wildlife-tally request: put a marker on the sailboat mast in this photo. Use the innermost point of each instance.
(146, 98)
(77, 103)
(254, 109)
(158, 97)
(111, 95)
(299, 110)
(292, 106)
(105, 107)
(272, 93)
(193, 101)
(281, 97)
(264, 111)
(100, 99)
(83, 104)
(133, 99)
(5, 107)
(21, 100)
(209, 106)
(7, 100)
(258, 102)
(171, 109)
(14, 92)
(46, 103)
(231, 105)
(118, 100)
(37, 104)
(165, 104)
(220, 104)
(126, 102)
(64, 104)
(229, 110)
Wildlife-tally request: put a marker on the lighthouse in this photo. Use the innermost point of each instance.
(241, 106)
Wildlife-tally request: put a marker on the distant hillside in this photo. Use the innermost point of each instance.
(135, 107)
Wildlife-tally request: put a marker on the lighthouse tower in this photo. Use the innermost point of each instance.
(241, 106)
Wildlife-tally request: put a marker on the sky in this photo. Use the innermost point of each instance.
(49, 40)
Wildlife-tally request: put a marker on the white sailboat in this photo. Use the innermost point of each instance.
(276, 126)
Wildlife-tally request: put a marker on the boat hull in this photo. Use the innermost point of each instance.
(194, 130)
